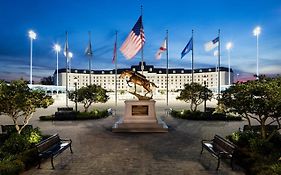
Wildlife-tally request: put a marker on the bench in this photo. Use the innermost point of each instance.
(51, 148)
(219, 148)
(65, 113)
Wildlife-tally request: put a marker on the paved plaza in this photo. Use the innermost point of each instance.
(99, 151)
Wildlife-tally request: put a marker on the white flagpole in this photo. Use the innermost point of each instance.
(90, 59)
(219, 58)
(66, 74)
(142, 66)
(192, 61)
(115, 61)
(167, 69)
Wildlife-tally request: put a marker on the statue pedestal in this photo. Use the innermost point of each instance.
(140, 116)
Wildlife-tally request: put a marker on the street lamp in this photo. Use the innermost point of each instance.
(205, 95)
(229, 47)
(256, 32)
(32, 35)
(75, 83)
(57, 48)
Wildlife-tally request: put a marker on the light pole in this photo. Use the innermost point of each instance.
(205, 95)
(75, 83)
(32, 35)
(57, 48)
(256, 33)
(229, 47)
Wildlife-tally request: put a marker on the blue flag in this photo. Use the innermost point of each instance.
(187, 48)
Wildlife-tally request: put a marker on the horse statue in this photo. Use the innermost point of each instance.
(138, 79)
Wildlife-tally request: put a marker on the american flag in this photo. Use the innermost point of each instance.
(134, 41)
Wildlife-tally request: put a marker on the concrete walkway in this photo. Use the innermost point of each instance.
(98, 151)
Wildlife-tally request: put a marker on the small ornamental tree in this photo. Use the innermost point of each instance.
(259, 100)
(88, 95)
(18, 101)
(195, 94)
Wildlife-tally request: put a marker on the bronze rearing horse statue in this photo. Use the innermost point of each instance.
(138, 79)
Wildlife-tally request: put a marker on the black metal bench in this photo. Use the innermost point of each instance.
(219, 148)
(65, 113)
(51, 148)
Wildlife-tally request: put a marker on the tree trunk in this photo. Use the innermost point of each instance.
(263, 129)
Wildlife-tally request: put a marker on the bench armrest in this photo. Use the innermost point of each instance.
(66, 140)
(206, 141)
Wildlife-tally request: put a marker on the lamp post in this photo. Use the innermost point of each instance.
(256, 33)
(32, 35)
(75, 83)
(57, 48)
(228, 47)
(205, 95)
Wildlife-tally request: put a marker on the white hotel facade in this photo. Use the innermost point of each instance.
(177, 77)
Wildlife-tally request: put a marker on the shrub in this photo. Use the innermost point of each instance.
(95, 114)
(18, 143)
(198, 115)
(11, 167)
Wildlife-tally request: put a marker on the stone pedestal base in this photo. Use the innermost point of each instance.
(140, 116)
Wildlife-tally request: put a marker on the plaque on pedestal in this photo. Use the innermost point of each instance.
(140, 116)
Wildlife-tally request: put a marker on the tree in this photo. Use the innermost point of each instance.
(47, 80)
(259, 100)
(18, 101)
(88, 95)
(195, 94)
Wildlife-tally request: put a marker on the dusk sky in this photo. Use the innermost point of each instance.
(50, 19)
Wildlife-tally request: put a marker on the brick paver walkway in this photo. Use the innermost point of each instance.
(98, 151)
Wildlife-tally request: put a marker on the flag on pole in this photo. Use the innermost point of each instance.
(135, 40)
(162, 49)
(66, 52)
(188, 47)
(89, 51)
(212, 44)
(114, 53)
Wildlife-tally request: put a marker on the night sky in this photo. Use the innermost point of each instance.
(50, 19)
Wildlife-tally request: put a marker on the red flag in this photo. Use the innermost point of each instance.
(162, 49)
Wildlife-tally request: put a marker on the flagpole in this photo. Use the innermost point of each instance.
(192, 61)
(66, 55)
(90, 60)
(115, 61)
(142, 67)
(167, 69)
(219, 60)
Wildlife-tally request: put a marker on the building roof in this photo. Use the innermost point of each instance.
(148, 68)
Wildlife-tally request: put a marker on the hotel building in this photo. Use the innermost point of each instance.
(177, 77)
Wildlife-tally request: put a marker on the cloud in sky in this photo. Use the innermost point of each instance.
(236, 19)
